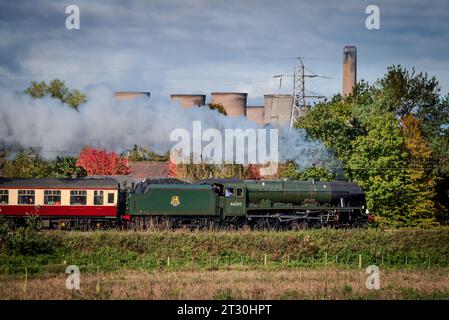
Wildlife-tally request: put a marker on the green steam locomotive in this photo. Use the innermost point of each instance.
(234, 203)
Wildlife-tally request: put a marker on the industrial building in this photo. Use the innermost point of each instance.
(277, 108)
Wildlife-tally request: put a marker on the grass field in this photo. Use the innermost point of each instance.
(315, 264)
(234, 283)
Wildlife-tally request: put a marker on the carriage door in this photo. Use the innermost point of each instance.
(234, 199)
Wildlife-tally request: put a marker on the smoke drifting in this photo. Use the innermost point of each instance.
(55, 129)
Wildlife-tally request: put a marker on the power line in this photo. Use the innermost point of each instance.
(145, 69)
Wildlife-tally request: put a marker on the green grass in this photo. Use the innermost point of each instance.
(50, 252)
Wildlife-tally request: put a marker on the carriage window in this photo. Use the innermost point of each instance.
(229, 192)
(98, 198)
(78, 197)
(3, 196)
(52, 197)
(239, 192)
(110, 198)
(26, 197)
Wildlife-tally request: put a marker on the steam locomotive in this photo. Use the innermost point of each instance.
(224, 203)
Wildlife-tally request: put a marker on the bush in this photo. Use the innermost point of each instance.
(4, 230)
(29, 240)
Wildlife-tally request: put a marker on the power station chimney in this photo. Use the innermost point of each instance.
(349, 69)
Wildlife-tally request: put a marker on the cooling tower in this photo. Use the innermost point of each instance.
(128, 95)
(256, 114)
(278, 109)
(189, 100)
(234, 103)
(349, 69)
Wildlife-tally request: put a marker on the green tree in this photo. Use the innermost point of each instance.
(387, 137)
(290, 170)
(25, 165)
(217, 106)
(3, 155)
(58, 90)
(64, 167)
(145, 154)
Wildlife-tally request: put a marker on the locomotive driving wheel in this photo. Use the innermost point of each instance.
(274, 224)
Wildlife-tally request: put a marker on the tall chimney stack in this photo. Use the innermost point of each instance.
(349, 69)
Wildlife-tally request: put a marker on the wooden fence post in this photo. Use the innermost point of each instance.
(26, 280)
(97, 287)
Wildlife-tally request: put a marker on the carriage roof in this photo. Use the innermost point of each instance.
(30, 183)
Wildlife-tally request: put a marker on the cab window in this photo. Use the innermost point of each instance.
(239, 192)
(229, 192)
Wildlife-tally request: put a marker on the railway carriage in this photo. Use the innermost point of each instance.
(61, 203)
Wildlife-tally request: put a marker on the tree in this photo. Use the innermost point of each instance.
(101, 162)
(64, 167)
(386, 137)
(217, 106)
(409, 92)
(25, 165)
(290, 170)
(3, 155)
(253, 172)
(58, 90)
(144, 154)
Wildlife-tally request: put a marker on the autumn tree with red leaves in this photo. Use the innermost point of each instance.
(253, 172)
(172, 172)
(101, 162)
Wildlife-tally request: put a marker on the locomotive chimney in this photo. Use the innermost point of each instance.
(349, 69)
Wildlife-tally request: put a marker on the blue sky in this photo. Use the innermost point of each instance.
(200, 46)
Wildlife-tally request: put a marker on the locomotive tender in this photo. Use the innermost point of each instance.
(271, 204)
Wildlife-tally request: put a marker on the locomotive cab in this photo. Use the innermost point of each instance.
(231, 196)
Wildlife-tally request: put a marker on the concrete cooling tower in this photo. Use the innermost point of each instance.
(189, 100)
(278, 109)
(256, 114)
(234, 103)
(128, 95)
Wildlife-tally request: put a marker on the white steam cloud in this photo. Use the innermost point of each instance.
(55, 129)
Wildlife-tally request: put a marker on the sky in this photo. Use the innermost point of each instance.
(202, 46)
